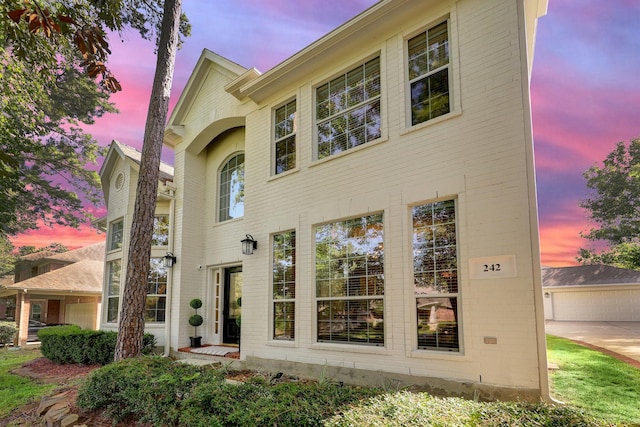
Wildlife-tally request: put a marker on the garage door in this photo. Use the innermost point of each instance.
(599, 306)
(83, 315)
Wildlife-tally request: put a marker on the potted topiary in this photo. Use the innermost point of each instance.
(196, 320)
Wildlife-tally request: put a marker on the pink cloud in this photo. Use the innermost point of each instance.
(70, 237)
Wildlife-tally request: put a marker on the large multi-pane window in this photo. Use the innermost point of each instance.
(348, 110)
(350, 281)
(435, 275)
(285, 137)
(156, 305)
(428, 65)
(160, 235)
(231, 202)
(116, 234)
(284, 286)
(114, 270)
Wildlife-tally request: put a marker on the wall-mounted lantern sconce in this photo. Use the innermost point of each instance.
(249, 244)
(169, 260)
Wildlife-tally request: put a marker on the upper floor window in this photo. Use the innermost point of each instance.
(116, 234)
(160, 235)
(435, 275)
(348, 110)
(428, 65)
(350, 281)
(232, 189)
(285, 137)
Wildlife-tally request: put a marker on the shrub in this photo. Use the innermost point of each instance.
(71, 344)
(150, 389)
(8, 332)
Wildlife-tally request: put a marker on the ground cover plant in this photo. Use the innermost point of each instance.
(588, 379)
(14, 389)
(161, 392)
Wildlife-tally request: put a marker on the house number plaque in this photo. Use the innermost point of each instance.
(495, 267)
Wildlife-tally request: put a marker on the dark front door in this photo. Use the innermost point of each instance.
(231, 306)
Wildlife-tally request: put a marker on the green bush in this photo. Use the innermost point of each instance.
(71, 344)
(161, 392)
(8, 331)
(149, 389)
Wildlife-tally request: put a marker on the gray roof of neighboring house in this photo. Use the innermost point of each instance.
(82, 276)
(93, 252)
(585, 275)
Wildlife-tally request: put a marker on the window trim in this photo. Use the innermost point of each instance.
(110, 235)
(378, 53)
(293, 134)
(156, 216)
(159, 295)
(370, 347)
(274, 300)
(455, 103)
(434, 352)
(219, 188)
(108, 287)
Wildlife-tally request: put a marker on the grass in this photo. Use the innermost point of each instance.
(15, 390)
(603, 385)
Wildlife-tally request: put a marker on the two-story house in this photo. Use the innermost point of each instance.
(382, 182)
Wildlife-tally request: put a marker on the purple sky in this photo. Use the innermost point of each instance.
(585, 90)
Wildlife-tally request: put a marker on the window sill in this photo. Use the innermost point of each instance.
(283, 174)
(429, 123)
(229, 221)
(351, 348)
(440, 355)
(349, 151)
(277, 343)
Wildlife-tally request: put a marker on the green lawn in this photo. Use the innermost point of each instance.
(15, 390)
(603, 385)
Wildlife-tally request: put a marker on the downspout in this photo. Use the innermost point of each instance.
(167, 322)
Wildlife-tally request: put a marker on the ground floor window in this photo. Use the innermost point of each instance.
(435, 274)
(284, 286)
(114, 269)
(350, 281)
(156, 305)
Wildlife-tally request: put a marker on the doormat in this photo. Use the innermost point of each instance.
(214, 350)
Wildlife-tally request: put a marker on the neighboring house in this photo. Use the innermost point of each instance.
(591, 293)
(54, 288)
(386, 172)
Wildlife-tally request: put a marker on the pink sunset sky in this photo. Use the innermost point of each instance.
(585, 91)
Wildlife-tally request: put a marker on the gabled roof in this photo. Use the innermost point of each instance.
(118, 150)
(93, 252)
(83, 276)
(588, 275)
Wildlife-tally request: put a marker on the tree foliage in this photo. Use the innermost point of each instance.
(50, 55)
(43, 150)
(7, 256)
(614, 206)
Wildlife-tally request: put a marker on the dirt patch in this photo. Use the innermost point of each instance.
(44, 370)
(65, 376)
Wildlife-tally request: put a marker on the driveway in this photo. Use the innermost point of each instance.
(621, 338)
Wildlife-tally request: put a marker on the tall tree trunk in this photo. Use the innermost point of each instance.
(131, 327)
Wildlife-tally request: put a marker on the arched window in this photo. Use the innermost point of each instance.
(231, 203)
